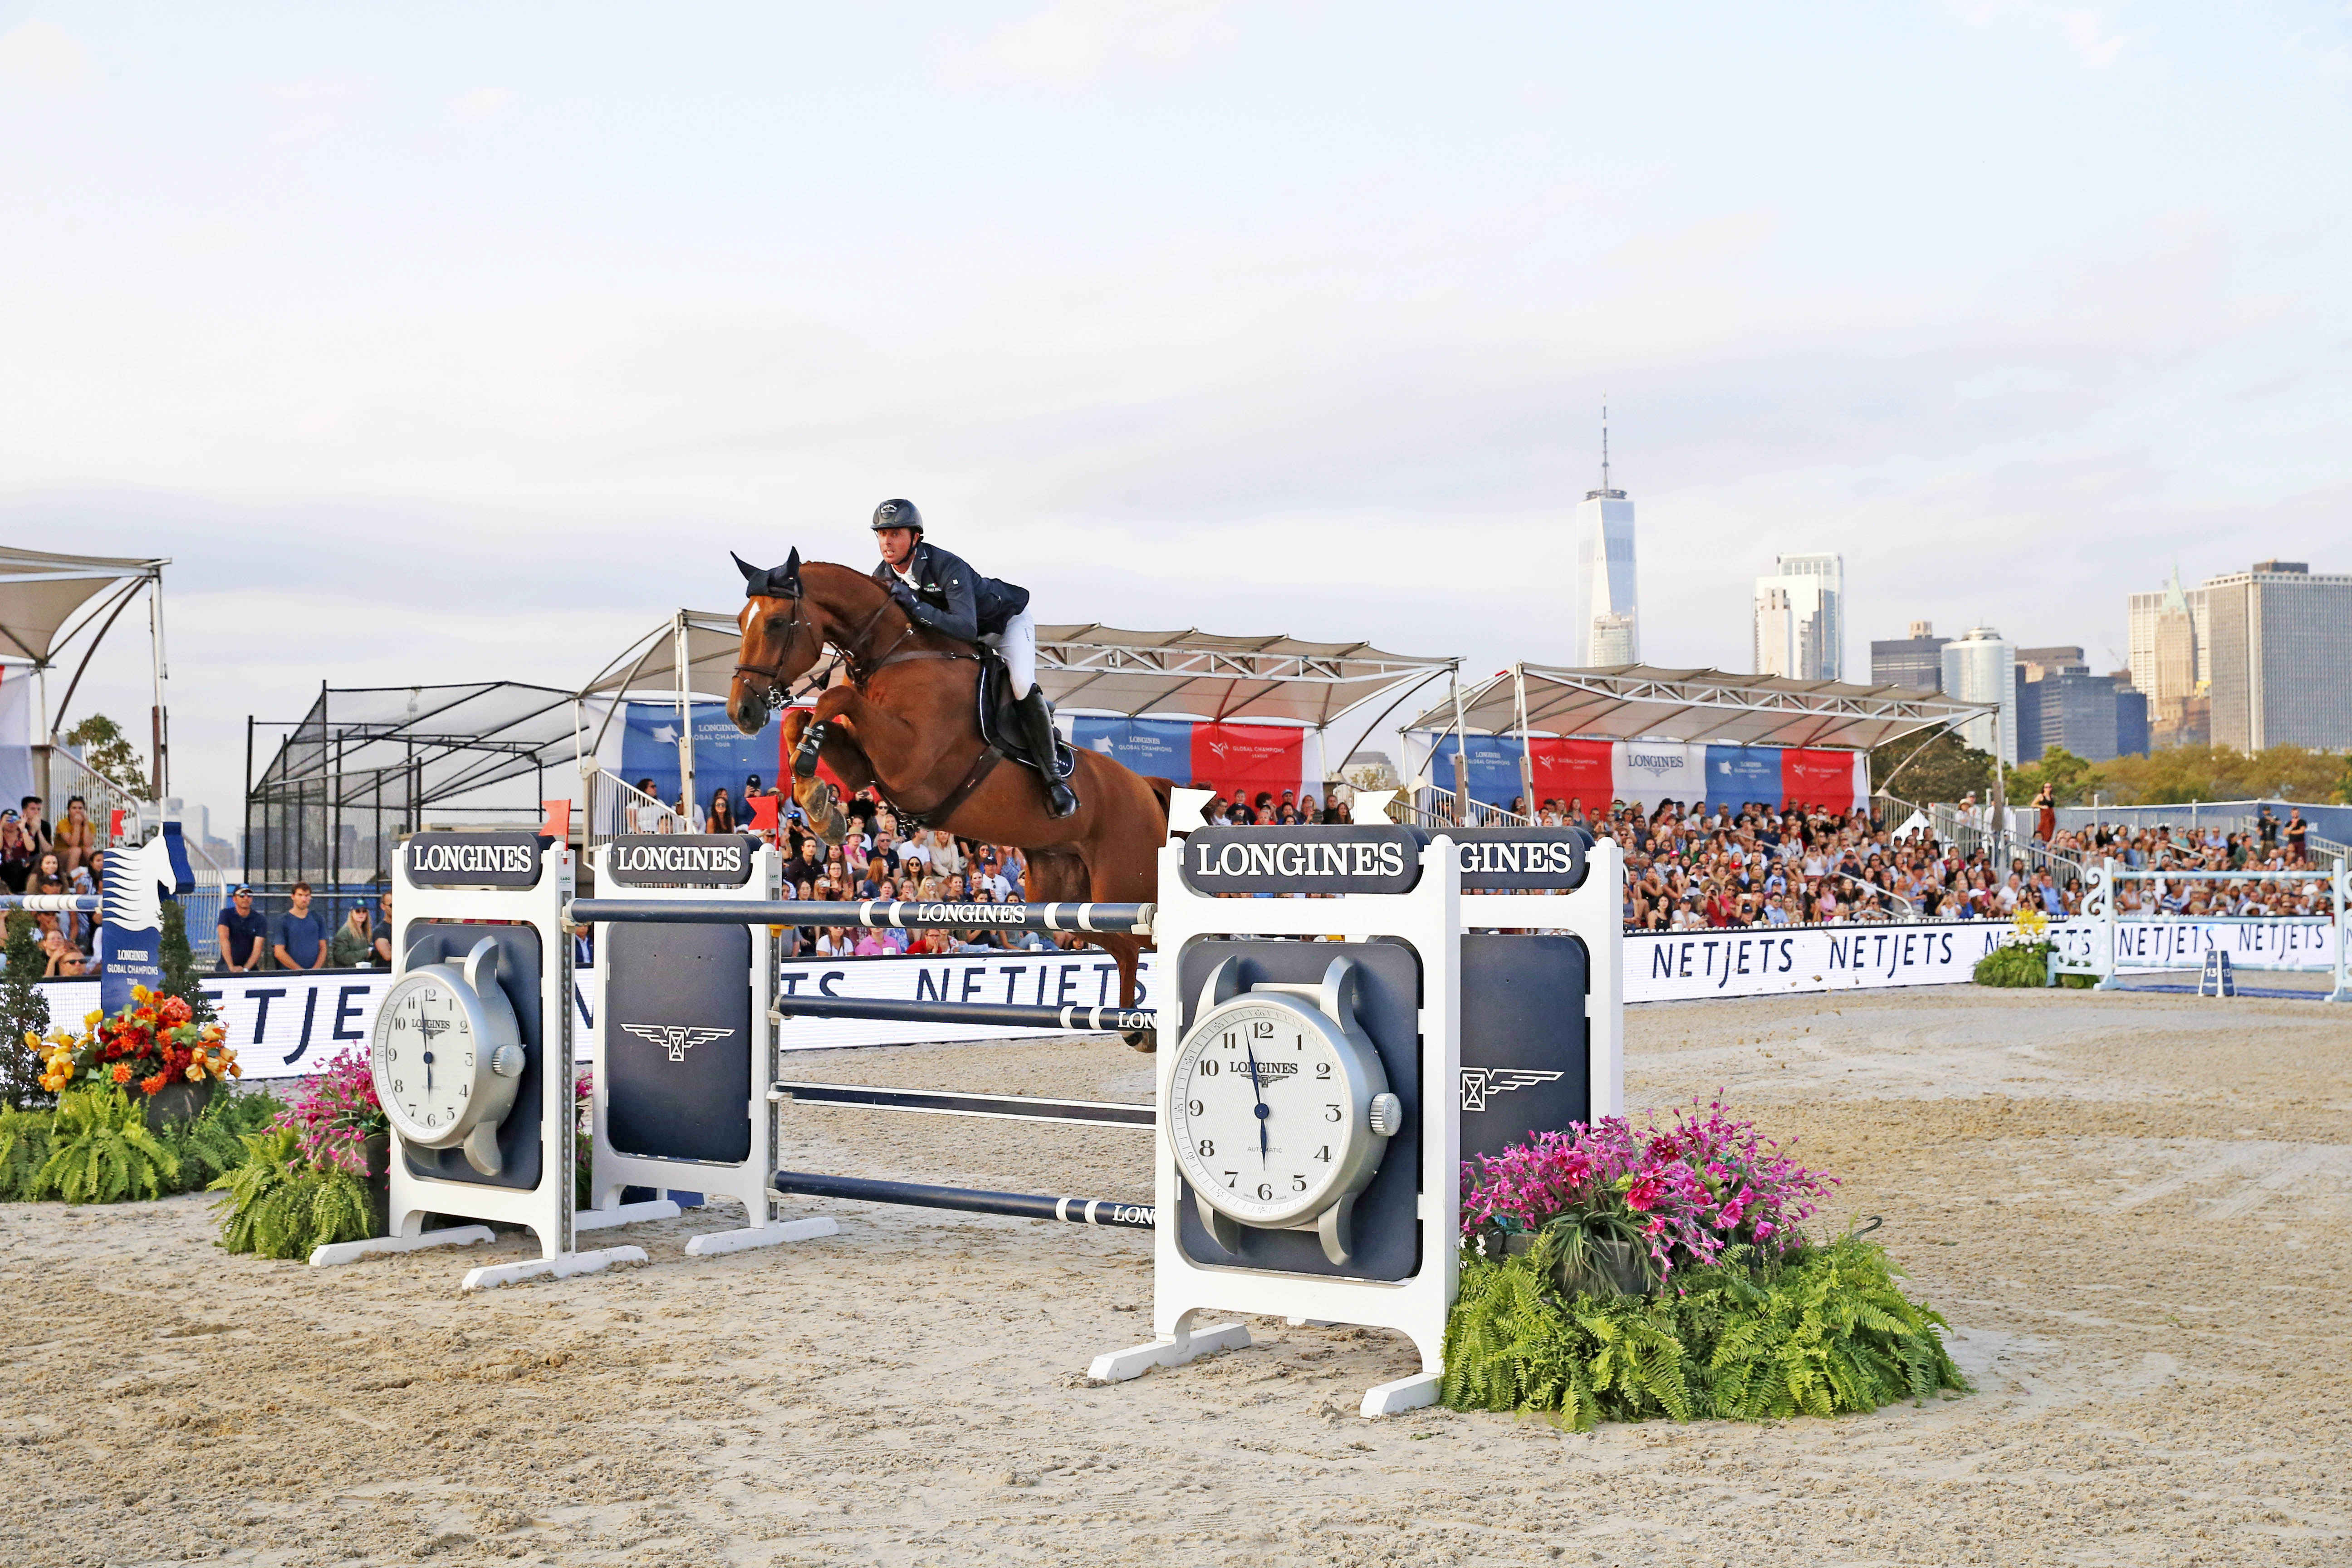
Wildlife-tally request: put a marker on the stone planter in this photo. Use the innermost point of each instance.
(176, 1103)
(379, 1177)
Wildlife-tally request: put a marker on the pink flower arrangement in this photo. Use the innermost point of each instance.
(336, 1113)
(1699, 1185)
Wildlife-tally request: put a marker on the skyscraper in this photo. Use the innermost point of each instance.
(1800, 618)
(2282, 639)
(1608, 626)
(1916, 661)
(1981, 668)
(2149, 612)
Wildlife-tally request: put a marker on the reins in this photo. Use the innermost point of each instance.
(846, 652)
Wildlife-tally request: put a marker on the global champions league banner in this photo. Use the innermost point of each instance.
(1595, 773)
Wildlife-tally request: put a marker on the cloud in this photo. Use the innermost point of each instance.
(1071, 43)
(2085, 29)
(483, 106)
(43, 56)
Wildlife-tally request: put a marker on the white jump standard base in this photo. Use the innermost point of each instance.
(715, 1243)
(624, 1214)
(1185, 1345)
(491, 1276)
(327, 1254)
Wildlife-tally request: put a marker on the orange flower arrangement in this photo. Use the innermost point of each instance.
(153, 1043)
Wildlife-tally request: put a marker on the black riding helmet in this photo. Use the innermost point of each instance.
(898, 514)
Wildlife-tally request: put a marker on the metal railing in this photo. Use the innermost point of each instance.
(615, 806)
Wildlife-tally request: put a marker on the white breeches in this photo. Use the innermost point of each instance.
(1018, 643)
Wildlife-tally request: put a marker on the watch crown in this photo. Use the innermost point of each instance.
(508, 1061)
(1387, 1115)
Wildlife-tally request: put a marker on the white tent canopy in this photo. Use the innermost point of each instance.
(50, 603)
(1631, 701)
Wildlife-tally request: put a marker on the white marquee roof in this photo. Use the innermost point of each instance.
(1623, 702)
(41, 596)
(1099, 669)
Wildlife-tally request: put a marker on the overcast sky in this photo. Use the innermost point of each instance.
(461, 342)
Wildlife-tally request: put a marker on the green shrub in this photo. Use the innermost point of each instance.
(26, 1140)
(102, 1151)
(1823, 1333)
(276, 1205)
(2025, 963)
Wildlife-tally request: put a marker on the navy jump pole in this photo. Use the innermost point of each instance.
(953, 1102)
(894, 913)
(1025, 1205)
(1008, 1015)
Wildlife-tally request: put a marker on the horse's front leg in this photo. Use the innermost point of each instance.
(819, 802)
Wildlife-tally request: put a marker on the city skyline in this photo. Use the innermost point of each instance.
(1152, 322)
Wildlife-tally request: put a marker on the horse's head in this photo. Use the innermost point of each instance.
(780, 643)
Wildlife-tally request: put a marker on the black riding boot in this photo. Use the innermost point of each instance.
(1037, 728)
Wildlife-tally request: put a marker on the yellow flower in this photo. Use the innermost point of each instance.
(141, 993)
(94, 1020)
(195, 1072)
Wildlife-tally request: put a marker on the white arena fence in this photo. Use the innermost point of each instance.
(285, 1025)
(2110, 943)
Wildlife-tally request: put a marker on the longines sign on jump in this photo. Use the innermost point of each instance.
(680, 860)
(472, 860)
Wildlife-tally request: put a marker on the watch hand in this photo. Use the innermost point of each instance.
(1262, 1111)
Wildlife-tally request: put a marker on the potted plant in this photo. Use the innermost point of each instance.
(153, 1049)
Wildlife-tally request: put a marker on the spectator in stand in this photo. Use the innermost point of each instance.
(301, 933)
(383, 928)
(720, 818)
(16, 854)
(35, 828)
(243, 935)
(56, 952)
(647, 816)
(946, 857)
(2298, 833)
(350, 947)
(76, 836)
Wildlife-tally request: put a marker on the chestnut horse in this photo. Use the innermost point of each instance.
(907, 723)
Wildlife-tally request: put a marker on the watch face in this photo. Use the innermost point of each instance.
(424, 1056)
(1263, 1112)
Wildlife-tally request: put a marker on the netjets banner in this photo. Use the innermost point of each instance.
(2290, 942)
(1682, 966)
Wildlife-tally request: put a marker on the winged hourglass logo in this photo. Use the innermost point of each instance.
(1477, 1083)
(432, 1028)
(675, 1039)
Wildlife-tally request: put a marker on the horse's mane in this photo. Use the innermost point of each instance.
(826, 581)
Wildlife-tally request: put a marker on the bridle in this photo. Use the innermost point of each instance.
(862, 668)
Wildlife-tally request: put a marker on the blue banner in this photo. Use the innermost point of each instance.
(723, 755)
(1737, 775)
(1494, 768)
(1156, 748)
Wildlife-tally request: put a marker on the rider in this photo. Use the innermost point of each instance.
(941, 594)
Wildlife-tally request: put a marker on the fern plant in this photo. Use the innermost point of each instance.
(1821, 1333)
(211, 1144)
(276, 1205)
(102, 1151)
(26, 1140)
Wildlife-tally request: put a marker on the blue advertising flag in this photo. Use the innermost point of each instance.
(1156, 748)
(1739, 774)
(1494, 768)
(723, 755)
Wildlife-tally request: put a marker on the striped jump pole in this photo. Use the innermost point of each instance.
(998, 1015)
(955, 1102)
(50, 903)
(969, 1200)
(900, 914)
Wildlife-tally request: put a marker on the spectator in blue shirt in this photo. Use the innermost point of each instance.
(244, 933)
(301, 933)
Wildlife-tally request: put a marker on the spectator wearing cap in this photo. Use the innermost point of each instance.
(243, 934)
(301, 933)
(350, 947)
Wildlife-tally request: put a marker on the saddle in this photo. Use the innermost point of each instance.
(1000, 718)
(1002, 736)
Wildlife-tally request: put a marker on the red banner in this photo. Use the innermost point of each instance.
(1572, 772)
(1824, 779)
(1247, 760)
